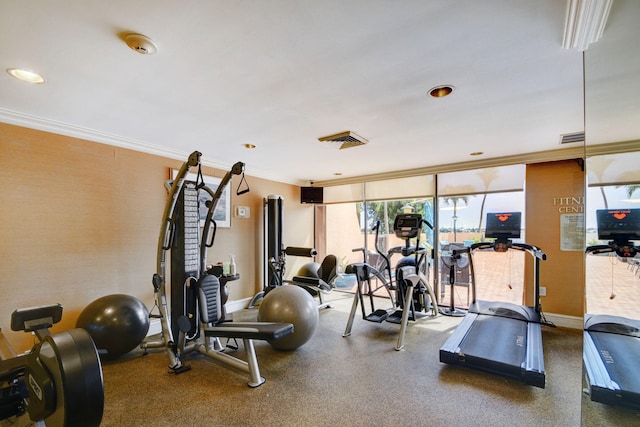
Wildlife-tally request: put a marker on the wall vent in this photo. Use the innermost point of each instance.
(344, 140)
(569, 138)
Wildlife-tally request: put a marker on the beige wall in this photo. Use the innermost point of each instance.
(563, 272)
(80, 220)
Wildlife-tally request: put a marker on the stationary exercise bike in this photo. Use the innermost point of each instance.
(411, 295)
(59, 382)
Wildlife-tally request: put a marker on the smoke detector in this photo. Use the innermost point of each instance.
(141, 44)
(344, 140)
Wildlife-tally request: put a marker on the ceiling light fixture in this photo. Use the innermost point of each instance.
(25, 75)
(477, 153)
(249, 146)
(441, 91)
(585, 22)
(141, 44)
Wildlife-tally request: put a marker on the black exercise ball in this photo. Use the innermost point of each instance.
(117, 323)
(309, 269)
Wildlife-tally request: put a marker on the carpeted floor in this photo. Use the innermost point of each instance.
(354, 381)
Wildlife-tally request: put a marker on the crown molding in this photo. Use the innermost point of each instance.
(60, 128)
(585, 22)
(568, 153)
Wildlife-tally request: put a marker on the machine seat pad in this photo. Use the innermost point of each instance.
(312, 281)
(250, 330)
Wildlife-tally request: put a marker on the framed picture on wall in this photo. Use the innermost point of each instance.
(222, 214)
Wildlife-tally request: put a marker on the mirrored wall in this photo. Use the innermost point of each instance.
(612, 129)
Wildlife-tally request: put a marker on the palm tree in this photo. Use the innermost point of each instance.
(597, 165)
(628, 176)
(454, 200)
(632, 189)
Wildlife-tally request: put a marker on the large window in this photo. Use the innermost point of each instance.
(351, 230)
(465, 199)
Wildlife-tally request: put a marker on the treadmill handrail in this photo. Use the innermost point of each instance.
(537, 254)
(533, 250)
(525, 247)
(621, 248)
(598, 249)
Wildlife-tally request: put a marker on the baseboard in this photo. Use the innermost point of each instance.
(565, 321)
(155, 326)
(236, 305)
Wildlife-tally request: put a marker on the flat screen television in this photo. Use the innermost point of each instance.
(618, 224)
(311, 195)
(503, 225)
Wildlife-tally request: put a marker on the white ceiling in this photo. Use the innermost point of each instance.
(282, 73)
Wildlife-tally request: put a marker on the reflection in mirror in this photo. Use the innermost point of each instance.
(611, 353)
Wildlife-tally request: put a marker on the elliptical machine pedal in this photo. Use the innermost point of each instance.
(378, 316)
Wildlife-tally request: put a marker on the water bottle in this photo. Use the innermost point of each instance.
(232, 265)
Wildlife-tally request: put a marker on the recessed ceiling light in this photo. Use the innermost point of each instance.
(249, 146)
(337, 173)
(477, 153)
(27, 76)
(441, 91)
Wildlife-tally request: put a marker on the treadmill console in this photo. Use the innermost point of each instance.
(503, 226)
(620, 226)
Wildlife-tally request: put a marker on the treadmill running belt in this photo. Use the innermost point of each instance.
(496, 344)
(619, 353)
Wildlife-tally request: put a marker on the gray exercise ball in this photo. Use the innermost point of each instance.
(290, 304)
(117, 324)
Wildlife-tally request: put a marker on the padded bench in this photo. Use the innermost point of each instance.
(250, 330)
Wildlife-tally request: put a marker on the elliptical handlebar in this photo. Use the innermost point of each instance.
(459, 251)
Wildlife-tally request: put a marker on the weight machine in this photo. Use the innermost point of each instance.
(196, 313)
(276, 254)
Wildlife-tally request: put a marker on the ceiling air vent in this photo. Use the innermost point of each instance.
(569, 138)
(344, 140)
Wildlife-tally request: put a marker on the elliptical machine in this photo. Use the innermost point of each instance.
(411, 295)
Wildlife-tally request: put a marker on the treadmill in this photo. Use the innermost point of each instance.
(500, 337)
(611, 349)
